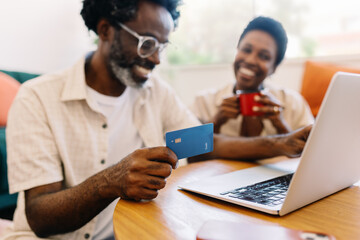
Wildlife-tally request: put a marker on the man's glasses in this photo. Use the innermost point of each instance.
(147, 45)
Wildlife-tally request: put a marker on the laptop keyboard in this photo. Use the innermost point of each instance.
(271, 192)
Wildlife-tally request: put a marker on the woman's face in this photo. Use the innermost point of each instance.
(255, 59)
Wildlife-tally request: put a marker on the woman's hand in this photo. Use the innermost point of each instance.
(272, 110)
(229, 108)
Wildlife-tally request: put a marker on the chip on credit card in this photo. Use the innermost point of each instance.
(192, 141)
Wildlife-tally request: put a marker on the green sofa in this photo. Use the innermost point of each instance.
(8, 201)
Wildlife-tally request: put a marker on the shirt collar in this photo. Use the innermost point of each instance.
(75, 83)
(229, 90)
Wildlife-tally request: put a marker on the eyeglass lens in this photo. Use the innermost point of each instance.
(148, 47)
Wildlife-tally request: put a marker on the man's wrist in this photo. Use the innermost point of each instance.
(102, 183)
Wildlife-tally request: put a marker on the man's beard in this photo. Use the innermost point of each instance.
(120, 64)
(123, 75)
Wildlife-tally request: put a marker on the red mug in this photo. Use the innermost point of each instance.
(247, 102)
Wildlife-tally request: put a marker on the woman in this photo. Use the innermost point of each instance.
(260, 50)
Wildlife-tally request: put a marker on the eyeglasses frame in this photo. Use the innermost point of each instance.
(141, 39)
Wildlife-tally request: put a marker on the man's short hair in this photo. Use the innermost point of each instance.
(272, 27)
(116, 11)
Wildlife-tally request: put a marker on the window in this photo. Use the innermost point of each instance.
(208, 30)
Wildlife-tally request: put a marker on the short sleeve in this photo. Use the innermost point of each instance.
(175, 114)
(33, 159)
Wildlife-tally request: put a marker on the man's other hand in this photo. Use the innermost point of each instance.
(293, 143)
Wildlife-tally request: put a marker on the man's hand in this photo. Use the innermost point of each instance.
(293, 143)
(141, 174)
(229, 108)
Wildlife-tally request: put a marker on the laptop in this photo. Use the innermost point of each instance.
(329, 163)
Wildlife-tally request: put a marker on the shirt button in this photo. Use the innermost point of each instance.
(102, 161)
(104, 125)
(86, 236)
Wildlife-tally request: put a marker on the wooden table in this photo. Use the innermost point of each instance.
(176, 214)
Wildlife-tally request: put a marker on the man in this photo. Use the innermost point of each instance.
(91, 134)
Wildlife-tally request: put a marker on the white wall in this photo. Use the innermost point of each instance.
(41, 35)
(189, 80)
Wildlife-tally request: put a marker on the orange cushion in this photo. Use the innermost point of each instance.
(8, 89)
(317, 76)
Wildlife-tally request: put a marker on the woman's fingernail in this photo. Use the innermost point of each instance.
(255, 108)
(256, 97)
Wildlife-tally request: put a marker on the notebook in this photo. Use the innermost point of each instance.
(328, 164)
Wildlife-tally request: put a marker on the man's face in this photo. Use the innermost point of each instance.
(123, 61)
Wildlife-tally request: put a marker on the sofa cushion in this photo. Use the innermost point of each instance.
(6, 200)
(8, 89)
(316, 78)
(21, 77)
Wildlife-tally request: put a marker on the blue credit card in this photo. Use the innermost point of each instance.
(192, 141)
